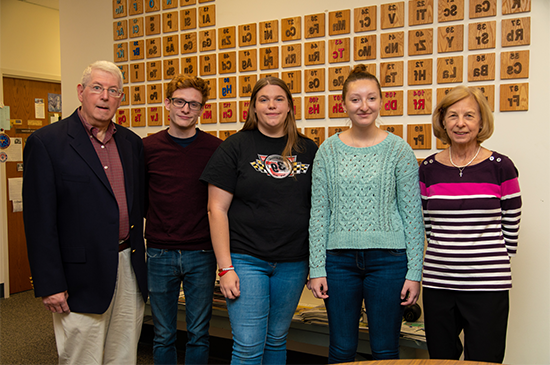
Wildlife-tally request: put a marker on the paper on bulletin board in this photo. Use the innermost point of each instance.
(15, 188)
(5, 117)
(15, 150)
(39, 108)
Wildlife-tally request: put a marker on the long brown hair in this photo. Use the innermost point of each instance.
(293, 143)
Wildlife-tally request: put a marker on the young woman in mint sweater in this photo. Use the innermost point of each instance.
(366, 231)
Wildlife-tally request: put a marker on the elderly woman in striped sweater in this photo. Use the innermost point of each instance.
(472, 206)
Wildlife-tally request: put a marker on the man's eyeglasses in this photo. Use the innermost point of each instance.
(180, 103)
(112, 91)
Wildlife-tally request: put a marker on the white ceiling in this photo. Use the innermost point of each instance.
(51, 4)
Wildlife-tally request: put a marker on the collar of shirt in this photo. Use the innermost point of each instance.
(92, 131)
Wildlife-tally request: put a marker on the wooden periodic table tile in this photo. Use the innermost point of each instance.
(171, 45)
(441, 92)
(293, 80)
(120, 30)
(248, 60)
(482, 35)
(420, 42)
(137, 51)
(213, 133)
(187, 2)
(169, 4)
(212, 89)
(138, 117)
(449, 69)
(489, 93)
(246, 84)
(419, 102)
(170, 21)
(188, 19)
(481, 67)
(226, 37)
(137, 95)
(364, 19)
(154, 93)
(166, 118)
(207, 64)
(188, 43)
(419, 136)
(364, 47)
(371, 68)
(392, 44)
(440, 145)
(228, 111)
(515, 6)
(336, 106)
(154, 70)
(333, 130)
(120, 8)
(516, 32)
(227, 62)
(421, 12)
(135, 7)
(450, 38)
(136, 27)
(339, 50)
(154, 116)
(392, 103)
(171, 68)
(269, 58)
(247, 35)
(514, 65)
(297, 101)
(207, 40)
(391, 74)
(269, 32)
(189, 66)
(396, 129)
(450, 10)
(420, 72)
(124, 71)
(314, 80)
(269, 74)
(225, 134)
(392, 15)
(152, 5)
(125, 99)
(292, 55)
(153, 47)
(207, 16)
(317, 134)
(482, 8)
(314, 25)
(243, 110)
(291, 29)
(337, 76)
(228, 87)
(315, 107)
(152, 24)
(122, 117)
(137, 72)
(314, 53)
(209, 114)
(339, 22)
(514, 97)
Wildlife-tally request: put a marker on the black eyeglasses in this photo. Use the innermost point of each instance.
(180, 103)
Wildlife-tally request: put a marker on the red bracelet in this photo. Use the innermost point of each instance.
(222, 272)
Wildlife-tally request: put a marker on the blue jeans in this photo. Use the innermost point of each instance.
(166, 270)
(377, 277)
(261, 316)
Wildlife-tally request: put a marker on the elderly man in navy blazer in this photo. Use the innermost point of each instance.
(83, 202)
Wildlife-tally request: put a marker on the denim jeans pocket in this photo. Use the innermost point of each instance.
(398, 252)
(154, 252)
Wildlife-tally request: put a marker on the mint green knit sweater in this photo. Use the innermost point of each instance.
(366, 198)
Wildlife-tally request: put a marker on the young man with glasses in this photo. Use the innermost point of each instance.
(179, 248)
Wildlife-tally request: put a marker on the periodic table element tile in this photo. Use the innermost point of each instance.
(120, 30)
(171, 67)
(207, 16)
(269, 74)
(449, 69)
(419, 136)
(364, 47)
(516, 32)
(228, 111)
(166, 117)
(364, 19)
(228, 87)
(482, 8)
(189, 66)
(314, 25)
(207, 40)
(314, 107)
(136, 27)
(450, 10)
(154, 116)
(291, 29)
(269, 58)
(514, 65)
(391, 74)
(339, 22)
(420, 41)
(137, 72)
(392, 44)
(371, 68)
(421, 12)
(293, 79)
(226, 134)
(246, 84)
(291, 55)
(336, 106)
(339, 50)
(515, 6)
(188, 42)
(297, 101)
(137, 95)
(441, 92)
(396, 129)
(212, 88)
(248, 60)
(227, 38)
(482, 35)
(120, 8)
(314, 80)
(122, 117)
(314, 53)
(154, 70)
(171, 45)
(450, 38)
(392, 103)
(135, 7)
(481, 67)
(170, 22)
(514, 97)
(187, 2)
(392, 15)
(227, 62)
(152, 6)
(137, 51)
(243, 110)
(152, 24)
(125, 99)
(489, 93)
(317, 134)
(209, 114)
(124, 71)
(247, 35)
(207, 64)
(153, 47)
(120, 52)
(169, 4)
(188, 18)
(269, 32)
(420, 71)
(154, 93)
(339, 129)
(337, 76)
(419, 102)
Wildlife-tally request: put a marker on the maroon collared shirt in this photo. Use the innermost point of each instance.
(110, 160)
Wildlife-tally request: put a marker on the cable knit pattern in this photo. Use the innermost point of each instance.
(366, 198)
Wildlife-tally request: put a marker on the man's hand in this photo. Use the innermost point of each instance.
(57, 303)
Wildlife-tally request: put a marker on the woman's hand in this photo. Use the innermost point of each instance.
(318, 287)
(410, 292)
(229, 285)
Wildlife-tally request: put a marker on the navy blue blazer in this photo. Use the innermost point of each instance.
(71, 214)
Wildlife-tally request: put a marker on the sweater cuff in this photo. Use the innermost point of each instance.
(317, 272)
(414, 275)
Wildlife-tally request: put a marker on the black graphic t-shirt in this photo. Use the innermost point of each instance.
(269, 214)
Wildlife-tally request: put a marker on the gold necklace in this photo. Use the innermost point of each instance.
(461, 168)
